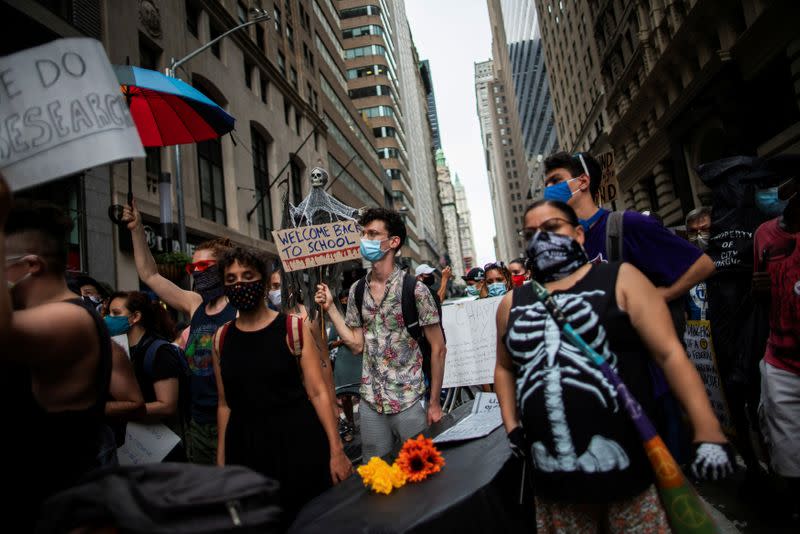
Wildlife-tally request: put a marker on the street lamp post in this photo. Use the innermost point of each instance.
(258, 15)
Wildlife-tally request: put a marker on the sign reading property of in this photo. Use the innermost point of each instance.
(61, 111)
(471, 342)
(700, 350)
(609, 185)
(319, 244)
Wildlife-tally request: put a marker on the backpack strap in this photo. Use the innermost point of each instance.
(219, 342)
(150, 355)
(359, 297)
(614, 236)
(409, 306)
(294, 334)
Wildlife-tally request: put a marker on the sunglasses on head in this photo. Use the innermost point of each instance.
(497, 265)
(199, 266)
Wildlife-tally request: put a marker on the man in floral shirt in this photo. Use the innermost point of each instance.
(392, 382)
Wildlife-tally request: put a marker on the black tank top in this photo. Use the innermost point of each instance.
(585, 448)
(259, 372)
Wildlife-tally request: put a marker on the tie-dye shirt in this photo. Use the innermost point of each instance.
(391, 375)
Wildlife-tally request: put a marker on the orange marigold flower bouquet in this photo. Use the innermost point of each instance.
(418, 459)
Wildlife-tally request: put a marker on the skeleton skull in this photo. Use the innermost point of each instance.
(319, 177)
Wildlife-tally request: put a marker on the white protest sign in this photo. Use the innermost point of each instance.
(319, 244)
(471, 342)
(700, 349)
(609, 185)
(485, 402)
(475, 425)
(61, 111)
(146, 444)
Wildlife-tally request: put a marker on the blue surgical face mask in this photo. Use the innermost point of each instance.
(768, 203)
(497, 289)
(472, 291)
(559, 191)
(371, 249)
(117, 324)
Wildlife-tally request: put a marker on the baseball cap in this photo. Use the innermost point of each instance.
(476, 273)
(423, 269)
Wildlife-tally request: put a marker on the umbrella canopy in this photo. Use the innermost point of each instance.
(168, 111)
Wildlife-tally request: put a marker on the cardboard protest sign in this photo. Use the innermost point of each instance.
(471, 342)
(609, 185)
(146, 444)
(319, 244)
(700, 349)
(61, 111)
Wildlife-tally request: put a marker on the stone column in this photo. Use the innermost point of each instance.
(641, 200)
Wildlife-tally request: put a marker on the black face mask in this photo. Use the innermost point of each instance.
(246, 296)
(428, 280)
(208, 283)
(554, 256)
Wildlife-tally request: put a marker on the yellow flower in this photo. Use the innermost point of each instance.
(381, 477)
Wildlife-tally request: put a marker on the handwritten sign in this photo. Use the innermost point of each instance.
(146, 444)
(700, 349)
(61, 111)
(475, 425)
(609, 185)
(485, 402)
(471, 342)
(319, 244)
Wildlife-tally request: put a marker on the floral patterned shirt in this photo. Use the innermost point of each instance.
(391, 373)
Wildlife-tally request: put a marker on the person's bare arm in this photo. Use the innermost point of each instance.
(699, 271)
(319, 394)
(320, 338)
(127, 402)
(352, 337)
(223, 411)
(433, 333)
(166, 403)
(180, 299)
(504, 381)
(446, 275)
(651, 319)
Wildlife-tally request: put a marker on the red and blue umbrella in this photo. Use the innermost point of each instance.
(168, 111)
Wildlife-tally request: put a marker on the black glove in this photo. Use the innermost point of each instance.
(518, 443)
(713, 461)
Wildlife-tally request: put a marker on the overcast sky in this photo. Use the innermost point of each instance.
(453, 35)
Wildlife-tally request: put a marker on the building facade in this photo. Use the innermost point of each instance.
(284, 80)
(464, 225)
(531, 85)
(450, 215)
(433, 115)
(663, 89)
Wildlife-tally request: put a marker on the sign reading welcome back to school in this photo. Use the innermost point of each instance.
(61, 111)
(319, 244)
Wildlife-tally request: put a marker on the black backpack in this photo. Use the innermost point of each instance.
(410, 316)
(167, 497)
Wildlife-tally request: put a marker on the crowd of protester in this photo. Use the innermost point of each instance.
(250, 382)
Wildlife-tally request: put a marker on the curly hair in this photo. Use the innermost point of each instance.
(247, 257)
(218, 246)
(392, 219)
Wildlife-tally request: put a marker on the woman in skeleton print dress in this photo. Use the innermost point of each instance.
(591, 472)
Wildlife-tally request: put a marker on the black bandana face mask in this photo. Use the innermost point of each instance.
(554, 256)
(245, 296)
(208, 283)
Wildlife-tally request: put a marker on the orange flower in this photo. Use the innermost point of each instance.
(419, 458)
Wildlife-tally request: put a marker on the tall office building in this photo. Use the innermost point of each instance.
(415, 116)
(464, 225)
(531, 86)
(450, 216)
(506, 159)
(665, 91)
(372, 42)
(433, 116)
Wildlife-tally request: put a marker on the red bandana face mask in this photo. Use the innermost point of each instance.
(517, 279)
(245, 296)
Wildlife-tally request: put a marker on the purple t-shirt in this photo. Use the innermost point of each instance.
(662, 256)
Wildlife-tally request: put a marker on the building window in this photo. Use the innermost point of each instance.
(248, 74)
(241, 12)
(282, 63)
(297, 187)
(264, 87)
(287, 110)
(192, 14)
(373, 90)
(149, 55)
(290, 36)
(261, 177)
(212, 182)
(371, 70)
(260, 37)
(378, 111)
(361, 51)
(298, 121)
(293, 77)
(277, 19)
(362, 11)
(213, 34)
(152, 162)
(369, 29)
